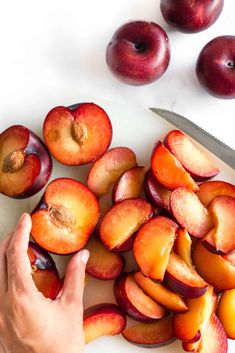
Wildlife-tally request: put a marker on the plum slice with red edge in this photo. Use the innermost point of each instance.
(222, 237)
(129, 185)
(152, 246)
(65, 217)
(44, 271)
(196, 162)
(127, 245)
(25, 163)
(123, 220)
(183, 246)
(188, 326)
(108, 169)
(151, 335)
(190, 213)
(217, 270)
(77, 135)
(214, 339)
(103, 320)
(103, 264)
(134, 302)
(182, 279)
(210, 189)
(160, 293)
(169, 171)
(156, 193)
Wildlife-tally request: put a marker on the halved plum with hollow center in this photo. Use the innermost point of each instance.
(196, 162)
(103, 320)
(25, 163)
(129, 185)
(77, 136)
(103, 264)
(182, 279)
(190, 212)
(108, 169)
(134, 302)
(123, 220)
(210, 189)
(151, 335)
(44, 272)
(65, 217)
(153, 245)
(168, 170)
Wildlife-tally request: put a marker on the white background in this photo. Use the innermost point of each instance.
(52, 52)
(50, 48)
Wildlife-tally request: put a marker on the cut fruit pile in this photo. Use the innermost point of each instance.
(181, 233)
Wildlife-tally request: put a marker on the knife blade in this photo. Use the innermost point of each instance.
(214, 145)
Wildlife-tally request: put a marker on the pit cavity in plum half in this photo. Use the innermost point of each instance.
(65, 217)
(25, 163)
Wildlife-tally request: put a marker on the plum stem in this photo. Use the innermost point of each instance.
(231, 64)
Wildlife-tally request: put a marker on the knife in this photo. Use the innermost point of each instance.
(214, 145)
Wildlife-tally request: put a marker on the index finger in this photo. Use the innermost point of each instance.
(18, 264)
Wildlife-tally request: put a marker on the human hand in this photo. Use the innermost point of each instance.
(29, 322)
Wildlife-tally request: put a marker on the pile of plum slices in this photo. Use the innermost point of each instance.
(180, 232)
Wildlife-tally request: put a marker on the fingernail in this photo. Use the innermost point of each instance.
(84, 256)
(22, 217)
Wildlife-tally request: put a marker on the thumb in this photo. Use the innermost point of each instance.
(74, 279)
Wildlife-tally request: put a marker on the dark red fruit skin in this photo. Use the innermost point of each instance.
(37, 147)
(183, 289)
(139, 52)
(151, 193)
(124, 303)
(127, 245)
(215, 67)
(43, 260)
(191, 16)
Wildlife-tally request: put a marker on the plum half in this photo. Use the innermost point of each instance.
(44, 271)
(103, 320)
(25, 163)
(77, 135)
(65, 217)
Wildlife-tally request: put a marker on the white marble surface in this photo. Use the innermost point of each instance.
(52, 48)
